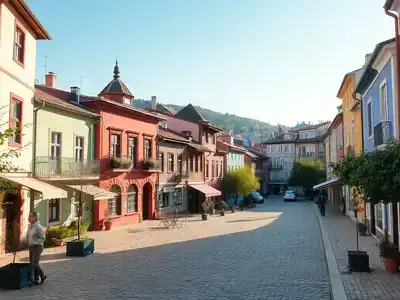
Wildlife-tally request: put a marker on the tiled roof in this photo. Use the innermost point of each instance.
(60, 99)
(116, 86)
(232, 147)
(190, 113)
(199, 147)
(166, 109)
(281, 140)
(170, 135)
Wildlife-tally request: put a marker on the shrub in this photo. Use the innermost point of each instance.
(221, 205)
(61, 232)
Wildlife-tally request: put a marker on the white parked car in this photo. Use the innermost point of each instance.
(289, 196)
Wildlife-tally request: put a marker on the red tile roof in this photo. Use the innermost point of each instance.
(59, 98)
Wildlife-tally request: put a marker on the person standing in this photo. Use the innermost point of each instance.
(36, 236)
(322, 202)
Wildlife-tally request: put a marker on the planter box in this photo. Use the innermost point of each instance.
(16, 276)
(358, 261)
(80, 248)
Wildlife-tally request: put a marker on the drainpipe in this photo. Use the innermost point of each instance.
(397, 42)
(35, 112)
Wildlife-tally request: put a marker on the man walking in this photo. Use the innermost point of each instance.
(36, 237)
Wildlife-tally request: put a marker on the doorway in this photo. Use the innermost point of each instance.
(12, 208)
(147, 200)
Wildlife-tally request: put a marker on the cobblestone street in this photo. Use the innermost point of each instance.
(271, 252)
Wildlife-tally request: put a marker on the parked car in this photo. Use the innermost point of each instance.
(257, 198)
(289, 196)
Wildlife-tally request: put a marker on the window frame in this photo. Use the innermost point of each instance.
(57, 205)
(161, 158)
(117, 200)
(134, 157)
(80, 148)
(117, 146)
(129, 199)
(163, 198)
(147, 151)
(170, 162)
(20, 102)
(383, 102)
(207, 168)
(19, 60)
(370, 127)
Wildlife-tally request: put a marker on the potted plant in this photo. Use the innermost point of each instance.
(389, 254)
(81, 246)
(233, 208)
(362, 229)
(107, 224)
(204, 216)
(15, 275)
(150, 164)
(222, 212)
(120, 163)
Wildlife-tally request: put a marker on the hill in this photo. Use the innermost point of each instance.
(246, 127)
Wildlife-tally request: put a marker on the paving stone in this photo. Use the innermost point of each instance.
(274, 251)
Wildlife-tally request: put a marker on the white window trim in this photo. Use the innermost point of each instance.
(372, 119)
(380, 101)
(59, 222)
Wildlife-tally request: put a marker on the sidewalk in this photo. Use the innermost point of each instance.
(376, 285)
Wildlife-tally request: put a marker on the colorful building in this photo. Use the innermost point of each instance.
(63, 153)
(19, 31)
(380, 122)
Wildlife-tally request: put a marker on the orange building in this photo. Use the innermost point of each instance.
(127, 149)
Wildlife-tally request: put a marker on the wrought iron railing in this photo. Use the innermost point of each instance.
(382, 133)
(65, 167)
(275, 166)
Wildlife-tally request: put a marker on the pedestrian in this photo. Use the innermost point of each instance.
(36, 237)
(322, 199)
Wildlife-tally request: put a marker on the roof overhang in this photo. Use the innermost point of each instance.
(327, 183)
(392, 5)
(211, 127)
(29, 17)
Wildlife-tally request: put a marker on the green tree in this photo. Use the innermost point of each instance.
(239, 182)
(306, 174)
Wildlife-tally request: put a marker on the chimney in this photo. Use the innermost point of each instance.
(154, 102)
(75, 94)
(51, 80)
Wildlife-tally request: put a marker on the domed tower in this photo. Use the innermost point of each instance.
(116, 90)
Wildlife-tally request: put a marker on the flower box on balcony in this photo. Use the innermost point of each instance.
(120, 163)
(151, 165)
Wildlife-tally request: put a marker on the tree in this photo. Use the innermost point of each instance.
(239, 182)
(306, 174)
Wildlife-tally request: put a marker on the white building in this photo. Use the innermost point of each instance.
(19, 31)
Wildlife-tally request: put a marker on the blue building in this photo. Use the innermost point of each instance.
(377, 87)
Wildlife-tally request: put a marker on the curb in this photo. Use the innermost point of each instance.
(337, 288)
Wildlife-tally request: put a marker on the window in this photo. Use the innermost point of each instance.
(384, 102)
(19, 45)
(196, 163)
(191, 163)
(207, 169)
(379, 215)
(179, 163)
(16, 120)
(216, 168)
(132, 147)
(54, 210)
(114, 204)
(221, 170)
(206, 136)
(165, 200)
(79, 148)
(201, 163)
(147, 148)
(170, 162)
(178, 196)
(115, 145)
(55, 146)
(212, 169)
(214, 139)
(131, 201)
(161, 156)
(369, 116)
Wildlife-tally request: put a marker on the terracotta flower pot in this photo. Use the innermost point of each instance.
(107, 225)
(58, 243)
(391, 265)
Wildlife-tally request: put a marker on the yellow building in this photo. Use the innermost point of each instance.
(352, 127)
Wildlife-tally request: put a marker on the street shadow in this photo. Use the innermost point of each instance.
(251, 220)
(238, 265)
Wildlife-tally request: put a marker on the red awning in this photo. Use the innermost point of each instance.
(207, 190)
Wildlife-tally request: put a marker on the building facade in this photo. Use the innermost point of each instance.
(63, 153)
(379, 110)
(19, 31)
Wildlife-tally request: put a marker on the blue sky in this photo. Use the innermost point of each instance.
(276, 61)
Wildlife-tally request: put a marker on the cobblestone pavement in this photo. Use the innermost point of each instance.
(271, 252)
(377, 285)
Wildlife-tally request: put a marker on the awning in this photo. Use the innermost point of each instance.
(48, 191)
(326, 183)
(207, 190)
(95, 191)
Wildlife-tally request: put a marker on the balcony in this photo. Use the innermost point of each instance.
(151, 165)
(275, 167)
(62, 168)
(382, 133)
(304, 155)
(350, 150)
(122, 163)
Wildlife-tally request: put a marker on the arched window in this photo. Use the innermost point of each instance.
(114, 204)
(131, 202)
